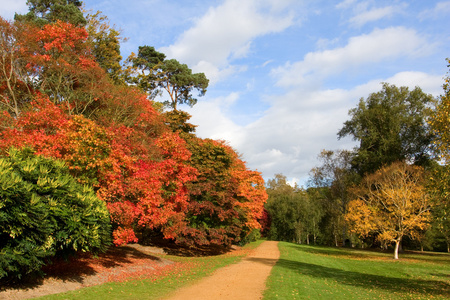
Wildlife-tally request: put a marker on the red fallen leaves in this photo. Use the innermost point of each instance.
(117, 265)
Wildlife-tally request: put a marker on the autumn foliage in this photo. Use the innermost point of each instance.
(58, 101)
(391, 203)
(226, 199)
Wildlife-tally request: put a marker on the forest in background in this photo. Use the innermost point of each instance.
(391, 190)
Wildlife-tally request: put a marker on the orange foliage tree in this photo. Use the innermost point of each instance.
(57, 100)
(392, 202)
(141, 190)
(226, 199)
(56, 60)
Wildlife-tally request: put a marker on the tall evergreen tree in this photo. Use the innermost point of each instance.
(155, 73)
(43, 12)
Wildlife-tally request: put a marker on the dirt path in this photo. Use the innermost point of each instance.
(244, 280)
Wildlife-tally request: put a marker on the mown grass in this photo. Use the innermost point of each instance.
(186, 270)
(310, 272)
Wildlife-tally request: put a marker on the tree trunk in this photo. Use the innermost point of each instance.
(307, 239)
(397, 245)
(344, 235)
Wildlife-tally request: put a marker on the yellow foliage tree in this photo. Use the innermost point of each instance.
(439, 122)
(391, 202)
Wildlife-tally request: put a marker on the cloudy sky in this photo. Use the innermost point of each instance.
(284, 73)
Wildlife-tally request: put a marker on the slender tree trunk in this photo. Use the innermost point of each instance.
(344, 235)
(307, 239)
(397, 246)
(298, 234)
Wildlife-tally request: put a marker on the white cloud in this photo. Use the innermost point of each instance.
(10, 7)
(210, 115)
(267, 62)
(298, 125)
(225, 32)
(364, 12)
(375, 14)
(214, 73)
(430, 84)
(379, 45)
(345, 4)
(441, 9)
(288, 138)
(324, 43)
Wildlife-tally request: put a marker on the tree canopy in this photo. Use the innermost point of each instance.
(42, 12)
(392, 202)
(440, 178)
(332, 179)
(155, 73)
(294, 215)
(390, 125)
(105, 41)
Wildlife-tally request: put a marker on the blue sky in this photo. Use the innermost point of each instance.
(284, 73)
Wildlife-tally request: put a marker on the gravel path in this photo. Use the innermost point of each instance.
(244, 280)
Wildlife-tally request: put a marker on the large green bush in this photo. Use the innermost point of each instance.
(45, 212)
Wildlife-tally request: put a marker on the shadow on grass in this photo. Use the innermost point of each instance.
(433, 257)
(77, 267)
(356, 253)
(342, 252)
(398, 285)
(260, 260)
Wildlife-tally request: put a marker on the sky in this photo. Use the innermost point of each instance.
(284, 73)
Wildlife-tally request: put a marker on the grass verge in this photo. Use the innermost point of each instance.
(312, 272)
(185, 271)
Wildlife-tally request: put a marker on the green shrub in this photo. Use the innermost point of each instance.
(44, 212)
(252, 236)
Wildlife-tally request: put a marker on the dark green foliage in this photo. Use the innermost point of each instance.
(105, 45)
(390, 126)
(44, 211)
(437, 187)
(294, 216)
(177, 120)
(253, 236)
(329, 184)
(43, 12)
(155, 73)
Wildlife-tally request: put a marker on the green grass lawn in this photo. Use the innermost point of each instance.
(187, 270)
(312, 272)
